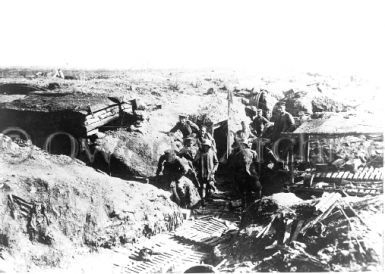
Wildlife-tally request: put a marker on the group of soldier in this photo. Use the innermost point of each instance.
(190, 170)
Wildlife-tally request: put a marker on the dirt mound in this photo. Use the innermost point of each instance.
(310, 101)
(130, 153)
(53, 207)
(136, 152)
(297, 101)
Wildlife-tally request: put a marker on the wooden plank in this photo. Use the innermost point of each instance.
(202, 228)
(217, 241)
(350, 176)
(377, 175)
(131, 270)
(376, 172)
(346, 175)
(143, 265)
(212, 241)
(340, 174)
(288, 226)
(100, 118)
(297, 230)
(326, 202)
(355, 176)
(136, 268)
(101, 123)
(361, 175)
(371, 177)
(158, 260)
(98, 107)
(334, 175)
(367, 175)
(97, 121)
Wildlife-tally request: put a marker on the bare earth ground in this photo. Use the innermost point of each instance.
(84, 209)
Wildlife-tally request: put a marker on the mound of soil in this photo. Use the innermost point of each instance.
(137, 153)
(52, 207)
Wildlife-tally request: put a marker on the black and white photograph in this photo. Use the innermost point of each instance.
(181, 136)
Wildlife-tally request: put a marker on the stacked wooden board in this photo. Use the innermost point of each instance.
(168, 254)
(362, 174)
(365, 181)
(101, 115)
(206, 231)
(174, 252)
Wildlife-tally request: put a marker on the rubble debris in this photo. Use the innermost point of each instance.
(297, 101)
(363, 182)
(260, 99)
(321, 234)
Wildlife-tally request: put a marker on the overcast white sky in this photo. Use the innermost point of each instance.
(322, 36)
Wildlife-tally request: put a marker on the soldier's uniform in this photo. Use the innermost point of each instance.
(206, 163)
(187, 128)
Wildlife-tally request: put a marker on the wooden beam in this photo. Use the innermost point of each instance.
(101, 123)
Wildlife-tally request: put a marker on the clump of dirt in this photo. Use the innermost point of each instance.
(53, 207)
(133, 153)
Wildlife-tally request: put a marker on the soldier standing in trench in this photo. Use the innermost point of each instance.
(171, 166)
(206, 163)
(184, 193)
(284, 123)
(186, 126)
(241, 137)
(259, 123)
(204, 135)
(188, 153)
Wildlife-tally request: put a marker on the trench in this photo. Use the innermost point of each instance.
(187, 249)
(192, 244)
(189, 246)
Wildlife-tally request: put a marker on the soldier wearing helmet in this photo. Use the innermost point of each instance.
(206, 163)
